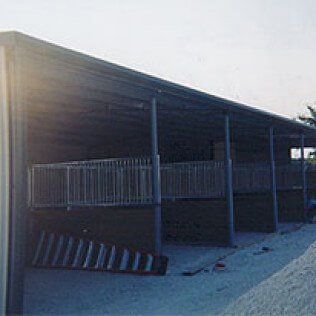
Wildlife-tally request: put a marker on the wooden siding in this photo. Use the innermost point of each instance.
(129, 227)
(196, 221)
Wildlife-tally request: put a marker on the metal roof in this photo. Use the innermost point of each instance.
(167, 92)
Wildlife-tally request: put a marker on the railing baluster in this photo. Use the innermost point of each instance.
(128, 181)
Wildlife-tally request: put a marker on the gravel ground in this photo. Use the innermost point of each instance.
(209, 292)
(290, 291)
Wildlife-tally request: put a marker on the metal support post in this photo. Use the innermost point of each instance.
(303, 171)
(229, 181)
(156, 186)
(273, 179)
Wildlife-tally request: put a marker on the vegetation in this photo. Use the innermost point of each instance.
(310, 120)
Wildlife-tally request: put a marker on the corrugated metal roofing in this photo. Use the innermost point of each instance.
(166, 91)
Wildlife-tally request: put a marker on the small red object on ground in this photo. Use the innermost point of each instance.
(219, 265)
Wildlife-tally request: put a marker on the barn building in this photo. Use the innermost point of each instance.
(93, 148)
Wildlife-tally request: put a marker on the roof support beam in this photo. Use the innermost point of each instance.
(303, 171)
(273, 179)
(156, 186)
(229, 181)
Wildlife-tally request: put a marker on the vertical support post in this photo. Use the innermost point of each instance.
(273, 179)
(156, 187)
(4, 185)
(229, 182)
(303, 171)
(18, 183)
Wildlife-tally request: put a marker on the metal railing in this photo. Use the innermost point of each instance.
(128, 181)
(89, 183)
(187, 180)
(251, 177)
(289, 176)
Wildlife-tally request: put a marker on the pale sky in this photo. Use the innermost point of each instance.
(259, 52)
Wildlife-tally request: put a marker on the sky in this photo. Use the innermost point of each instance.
(258, 52)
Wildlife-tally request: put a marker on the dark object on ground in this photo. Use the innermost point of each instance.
(266, 249)
(263, 250)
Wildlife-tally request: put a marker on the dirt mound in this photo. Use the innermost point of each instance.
(291, 291)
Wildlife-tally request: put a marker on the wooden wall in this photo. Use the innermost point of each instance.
(196, 222)
(291, 206)
(254, 212)
(253, 149)
(130, 227)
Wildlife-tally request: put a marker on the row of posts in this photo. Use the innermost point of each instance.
(229, 182)
(156, 186)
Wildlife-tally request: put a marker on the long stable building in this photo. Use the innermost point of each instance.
(89, 147)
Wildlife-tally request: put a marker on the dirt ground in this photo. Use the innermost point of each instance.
(208, 292)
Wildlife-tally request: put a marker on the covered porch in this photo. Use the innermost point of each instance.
(187, 165)
(208, 176)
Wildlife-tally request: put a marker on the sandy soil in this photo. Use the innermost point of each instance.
(209, 292)
(290, 291)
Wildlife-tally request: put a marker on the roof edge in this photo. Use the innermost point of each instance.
(16, 37)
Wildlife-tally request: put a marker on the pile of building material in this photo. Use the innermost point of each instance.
(54, 250)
